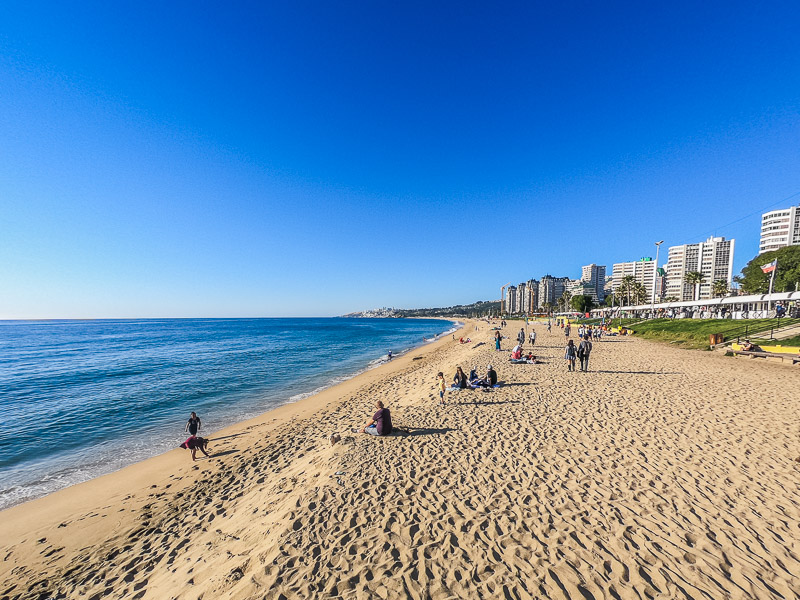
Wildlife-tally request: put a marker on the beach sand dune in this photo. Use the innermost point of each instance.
(662, 473)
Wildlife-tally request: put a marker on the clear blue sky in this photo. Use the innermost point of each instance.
(271, 159)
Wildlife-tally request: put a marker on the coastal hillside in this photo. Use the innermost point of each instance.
(474, 310)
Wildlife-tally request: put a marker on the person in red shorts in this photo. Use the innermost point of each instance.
(194, 444)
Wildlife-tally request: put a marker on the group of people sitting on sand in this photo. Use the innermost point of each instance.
(519, 357)
(474, 381)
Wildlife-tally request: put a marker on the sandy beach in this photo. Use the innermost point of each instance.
(661, 473)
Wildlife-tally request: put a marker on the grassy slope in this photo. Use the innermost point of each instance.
(692, 333)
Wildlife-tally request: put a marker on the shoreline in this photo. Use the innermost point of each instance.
(317, 399)
(101, 469)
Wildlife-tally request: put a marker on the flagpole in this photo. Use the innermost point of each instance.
(771, 282)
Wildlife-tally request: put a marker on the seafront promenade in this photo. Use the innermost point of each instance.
(661, 473)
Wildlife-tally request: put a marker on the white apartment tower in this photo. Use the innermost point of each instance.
(780, 228)
(522, 298)
(643, 271)
(511, 300)
(594, 279)
(713, 258)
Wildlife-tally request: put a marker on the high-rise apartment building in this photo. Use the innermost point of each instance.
(551, 289)
(533, 294)
(511, 299)
(780, 228)
(594, 279)
(713, 258)
(522, 298)
(642, 271)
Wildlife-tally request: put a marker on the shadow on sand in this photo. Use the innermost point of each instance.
(225, 453)
(641, 372)
(486, 402)
(407, 431)
(224, 437)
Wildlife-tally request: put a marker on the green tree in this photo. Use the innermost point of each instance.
(754, 281)
(639, 293)
(719, 288)
(610, 300)
(625, 289)
(582, 303)
(694, 278)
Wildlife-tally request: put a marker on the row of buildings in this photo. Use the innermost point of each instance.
(712, 258)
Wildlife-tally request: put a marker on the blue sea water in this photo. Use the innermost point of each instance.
(82, 398)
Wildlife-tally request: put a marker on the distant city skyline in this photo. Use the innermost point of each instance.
(314, 160)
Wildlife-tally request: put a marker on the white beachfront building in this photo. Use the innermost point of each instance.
(780, 228)
(643, 271)
(713, 258)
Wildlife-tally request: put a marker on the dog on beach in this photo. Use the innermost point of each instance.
(334, 439)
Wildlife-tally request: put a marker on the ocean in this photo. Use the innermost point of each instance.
(80, 399)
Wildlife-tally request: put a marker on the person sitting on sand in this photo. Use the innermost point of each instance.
(380, 423)
(194, 443)
(491, 376)
(460, 380)
(516, 353)
(473, 375)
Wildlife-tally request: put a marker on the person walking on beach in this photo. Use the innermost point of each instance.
(533, 337)
(569, 355)
(193, 425)
(548, 325)
(566, 331)
(380, 423)
(497, 338)
(521, 336)
(584, 349)
(441, 384)
(194, 444)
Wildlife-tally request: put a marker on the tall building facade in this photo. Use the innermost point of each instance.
(522, 298)
(713, 258)
(594, 279)
(780, 228)
(643, 271)
(551, 289)
(533, 294)
(511, 299)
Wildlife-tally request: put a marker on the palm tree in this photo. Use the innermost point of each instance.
(719, 288)
(625, 288)
(639, 293)
(695, 278)
(564, 300)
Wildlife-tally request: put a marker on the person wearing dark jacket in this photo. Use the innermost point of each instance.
(569, 355)
(584, 349)
(460, 380)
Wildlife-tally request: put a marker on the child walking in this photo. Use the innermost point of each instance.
(440, 381)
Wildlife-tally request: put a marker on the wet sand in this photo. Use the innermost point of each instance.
(661, 473)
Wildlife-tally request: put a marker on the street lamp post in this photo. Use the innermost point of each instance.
(655, 274)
